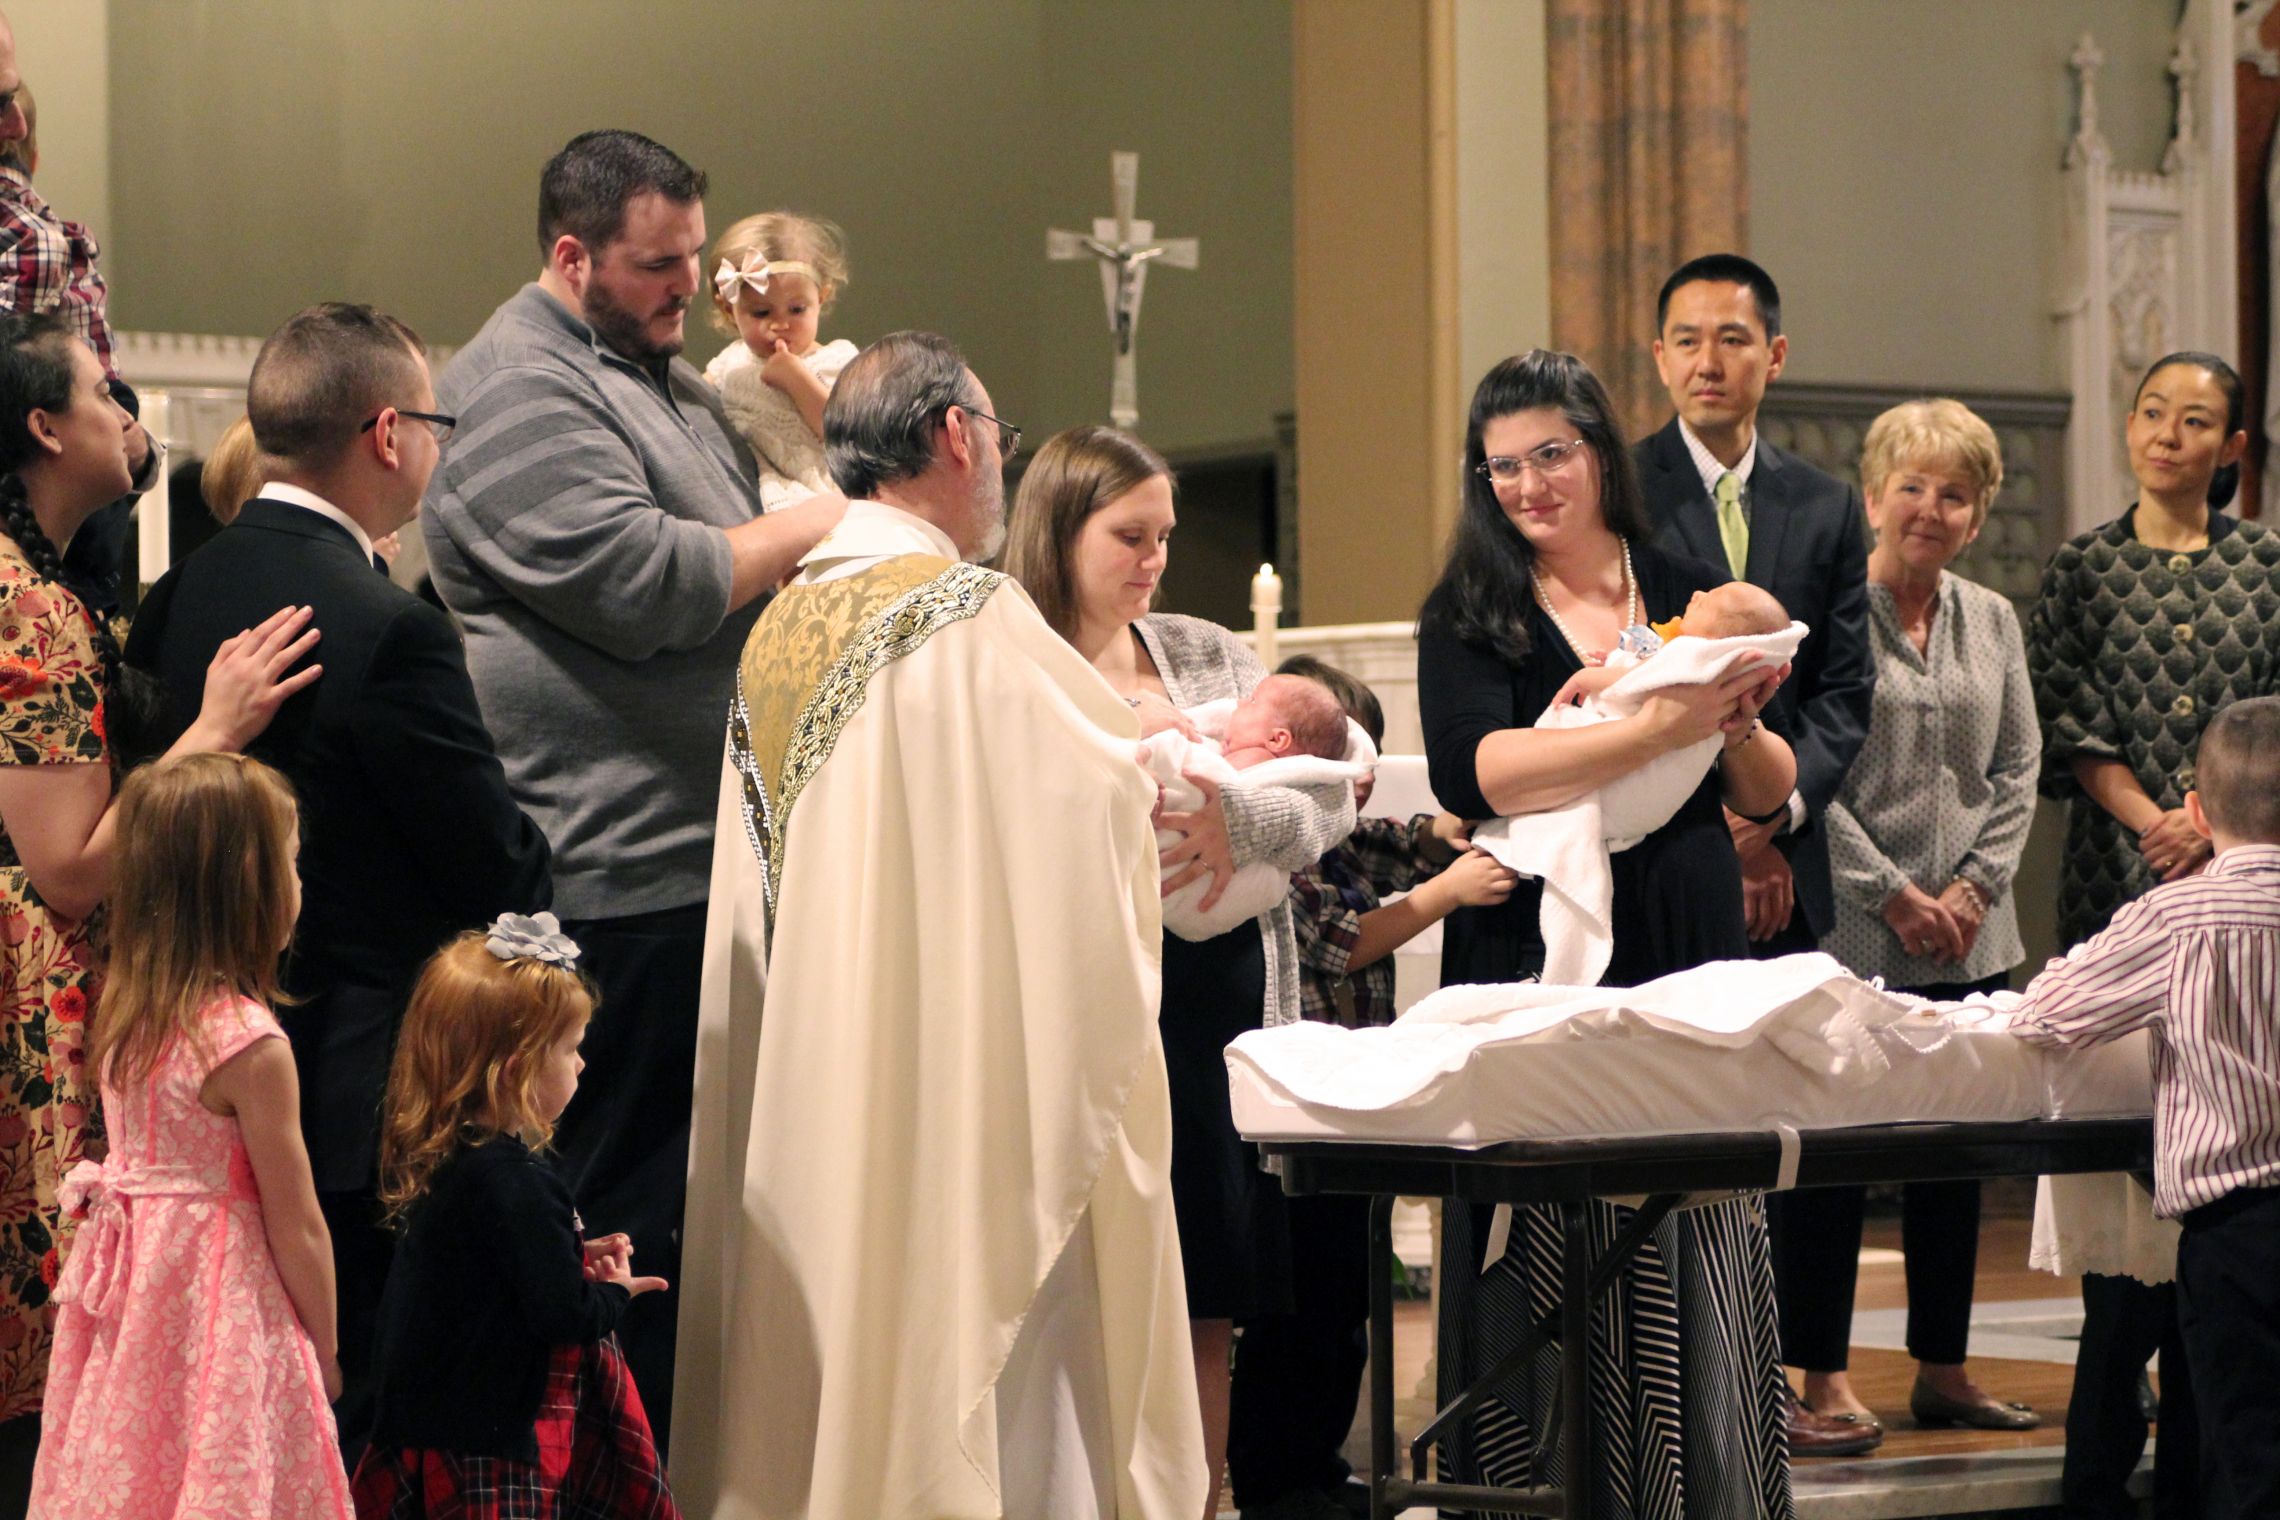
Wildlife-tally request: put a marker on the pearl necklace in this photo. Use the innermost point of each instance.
(1630, 606)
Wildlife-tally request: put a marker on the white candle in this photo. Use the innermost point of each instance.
(153, 522)
(1266, 609)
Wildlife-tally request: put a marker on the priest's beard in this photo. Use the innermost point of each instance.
(623, 329)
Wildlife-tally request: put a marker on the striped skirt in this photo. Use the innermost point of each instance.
(1686, 1383)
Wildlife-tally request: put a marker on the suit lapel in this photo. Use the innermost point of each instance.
(1769, 514)
(1679, 485)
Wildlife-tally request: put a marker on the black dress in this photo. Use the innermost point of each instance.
(1687, 1390)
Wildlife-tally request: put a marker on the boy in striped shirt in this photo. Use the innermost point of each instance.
(2198, 962)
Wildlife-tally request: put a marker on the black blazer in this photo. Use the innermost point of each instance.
(408, 834)
(1809, 547)
(489, 1278)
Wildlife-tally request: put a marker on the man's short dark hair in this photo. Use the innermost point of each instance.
(2237, 771)
(878, 426)
(1724, 269)
(586, 187)
(323, 374)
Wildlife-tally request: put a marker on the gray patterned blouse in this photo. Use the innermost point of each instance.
(1944, 786)
(2133, 650)
(1288, 826)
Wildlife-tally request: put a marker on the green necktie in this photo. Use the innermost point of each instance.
(1733, 528)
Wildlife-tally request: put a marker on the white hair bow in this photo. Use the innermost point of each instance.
(756, 271)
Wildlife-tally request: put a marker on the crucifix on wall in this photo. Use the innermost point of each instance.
(1124, 247)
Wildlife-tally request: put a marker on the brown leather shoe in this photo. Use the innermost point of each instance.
(1819, 1435)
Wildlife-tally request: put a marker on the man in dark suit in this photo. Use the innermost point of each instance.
(1723, 494)
(407, 832)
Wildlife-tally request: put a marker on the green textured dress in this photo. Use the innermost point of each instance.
(2132, 651)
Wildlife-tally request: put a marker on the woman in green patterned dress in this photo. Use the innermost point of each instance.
(2146, 629)
(63, 454)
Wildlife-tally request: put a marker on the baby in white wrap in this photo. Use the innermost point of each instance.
(1568, 847)
(1289, 732)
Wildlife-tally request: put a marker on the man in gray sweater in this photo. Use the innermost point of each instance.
(596, 526)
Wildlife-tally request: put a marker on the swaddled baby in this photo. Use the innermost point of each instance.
(1289, 732)
(1568, 847)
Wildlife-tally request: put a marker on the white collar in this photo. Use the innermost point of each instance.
(1707, 463)
(311, 501)
(872, 530)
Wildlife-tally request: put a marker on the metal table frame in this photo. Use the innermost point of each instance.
(1570, 1173)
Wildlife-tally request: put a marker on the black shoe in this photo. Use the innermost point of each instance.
(1299, 1504)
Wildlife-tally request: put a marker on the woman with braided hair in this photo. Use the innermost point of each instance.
(63, 454)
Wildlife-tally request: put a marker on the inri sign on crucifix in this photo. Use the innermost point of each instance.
(1125, 248)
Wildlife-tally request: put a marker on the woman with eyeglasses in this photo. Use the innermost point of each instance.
(1551, 562)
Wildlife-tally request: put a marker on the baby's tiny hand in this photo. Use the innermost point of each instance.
(783, 368)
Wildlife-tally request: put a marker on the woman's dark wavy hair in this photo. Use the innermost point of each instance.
(2226, 480)
(35, 375)
(1484, 590)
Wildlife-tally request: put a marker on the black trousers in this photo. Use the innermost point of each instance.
(623, 1143)
(362, 1249)
(2124, 1322)
(1298, 1376)
(1816, 1254)
(2228, 1306)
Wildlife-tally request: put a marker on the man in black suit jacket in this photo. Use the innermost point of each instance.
(407, 832)
(1802, 536)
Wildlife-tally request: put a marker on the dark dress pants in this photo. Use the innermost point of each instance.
(2228, 1307)
(2124, 1322)
(1298, 1376)
(623, 1143)
(362, 1248)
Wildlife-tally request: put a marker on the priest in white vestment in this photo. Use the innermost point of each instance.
(930, 1268)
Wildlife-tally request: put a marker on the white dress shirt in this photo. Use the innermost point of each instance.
(310, 501)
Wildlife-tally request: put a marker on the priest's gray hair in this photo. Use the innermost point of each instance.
(878, 426)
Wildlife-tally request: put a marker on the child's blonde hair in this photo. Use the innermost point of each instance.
(235, 472)
(468, 1059)
(784, 235)
(202, 903)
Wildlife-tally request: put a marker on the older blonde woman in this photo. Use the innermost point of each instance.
(1924, 839)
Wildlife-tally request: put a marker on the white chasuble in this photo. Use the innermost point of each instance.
(928, 1068)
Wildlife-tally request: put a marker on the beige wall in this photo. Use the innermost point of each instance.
(1504, 271)
(63, 52)
(1933, 267)
(270, 154)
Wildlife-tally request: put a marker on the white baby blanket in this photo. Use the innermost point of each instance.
(1568, 847)
(1257, 887)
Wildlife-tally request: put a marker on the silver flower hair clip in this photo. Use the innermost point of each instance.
(532, 937)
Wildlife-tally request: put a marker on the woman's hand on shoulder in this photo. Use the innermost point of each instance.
(1203, 848)
(246, 682)
(2172, 847)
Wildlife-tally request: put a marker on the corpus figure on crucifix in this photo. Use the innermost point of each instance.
(1125, 248)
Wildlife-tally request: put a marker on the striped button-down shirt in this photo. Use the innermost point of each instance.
(2198, 963)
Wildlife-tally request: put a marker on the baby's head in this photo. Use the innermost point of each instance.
(2237, 772)
(1289, 715)
(773, 276)
(1731, 611)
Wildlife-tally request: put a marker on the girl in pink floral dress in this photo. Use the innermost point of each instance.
(194, 1350)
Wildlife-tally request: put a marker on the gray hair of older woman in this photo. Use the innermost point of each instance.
(878, 426)
(1935, 434)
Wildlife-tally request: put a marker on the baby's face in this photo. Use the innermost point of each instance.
(786, 314)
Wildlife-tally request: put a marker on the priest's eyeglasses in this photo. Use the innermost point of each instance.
(1009, 436)
(1546, 461)
(439, 423)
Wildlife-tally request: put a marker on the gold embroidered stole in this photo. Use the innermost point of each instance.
(807, 666)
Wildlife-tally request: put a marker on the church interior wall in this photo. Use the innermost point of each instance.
(272, 154)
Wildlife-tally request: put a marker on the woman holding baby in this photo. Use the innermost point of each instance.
(1551, 563)
(1089, 539)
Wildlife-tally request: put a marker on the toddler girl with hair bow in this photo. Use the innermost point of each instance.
(774, 275)
(502, 1391)
(194, 1340)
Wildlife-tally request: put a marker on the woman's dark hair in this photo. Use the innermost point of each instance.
(1484, 589)
(2226, 481)
(35, 375)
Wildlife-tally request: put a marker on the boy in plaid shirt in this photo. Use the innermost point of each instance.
(1299, 1375)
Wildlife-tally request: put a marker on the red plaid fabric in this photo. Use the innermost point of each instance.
(596, 1459)
(48, 264)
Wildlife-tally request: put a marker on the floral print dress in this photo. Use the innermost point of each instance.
(51, 713)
